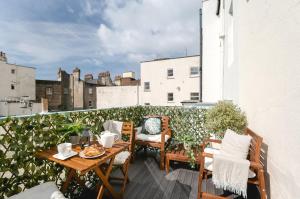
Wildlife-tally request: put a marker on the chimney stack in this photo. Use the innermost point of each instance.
(76, 73)
(104, 79)
(3, 57)
(88, 77)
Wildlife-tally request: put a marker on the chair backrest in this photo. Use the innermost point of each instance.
(164, 122)
(255, 146)
(128, 130)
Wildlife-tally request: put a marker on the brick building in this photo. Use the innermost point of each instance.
(69, 92)
(126, 79)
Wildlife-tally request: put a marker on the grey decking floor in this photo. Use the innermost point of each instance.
(148, 182)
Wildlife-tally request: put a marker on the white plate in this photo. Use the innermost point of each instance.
(62, 157)
(81, 154)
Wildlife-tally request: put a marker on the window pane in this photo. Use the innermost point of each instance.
(146, 85)
(170, 73)
(194, 71)
(194, 96)
(48, 91)
(170, 97)
(90, 91)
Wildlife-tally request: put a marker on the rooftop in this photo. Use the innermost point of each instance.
(169, 58)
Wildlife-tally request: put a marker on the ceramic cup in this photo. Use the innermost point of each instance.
(64, 148)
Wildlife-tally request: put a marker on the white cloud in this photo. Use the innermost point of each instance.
(149, 28)
(46, 43)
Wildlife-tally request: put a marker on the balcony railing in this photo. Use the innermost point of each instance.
(21, 137)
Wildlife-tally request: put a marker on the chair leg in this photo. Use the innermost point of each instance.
(162, 159)
(262, 186)
(201, 172)
(125, 173)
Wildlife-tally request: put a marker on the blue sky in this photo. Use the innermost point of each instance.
(96, 35)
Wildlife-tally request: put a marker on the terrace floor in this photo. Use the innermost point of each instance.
(147, 181)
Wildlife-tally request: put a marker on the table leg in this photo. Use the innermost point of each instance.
(104, 178)
(70, 174)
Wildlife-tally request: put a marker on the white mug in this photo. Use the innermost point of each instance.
(107, 139)
(64, 148)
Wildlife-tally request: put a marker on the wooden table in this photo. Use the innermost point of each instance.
(179, 155)
(79, 166)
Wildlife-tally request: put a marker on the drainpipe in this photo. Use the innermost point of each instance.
(201, 56)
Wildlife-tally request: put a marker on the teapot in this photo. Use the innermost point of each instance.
(107, 139)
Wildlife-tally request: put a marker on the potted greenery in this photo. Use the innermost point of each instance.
(225, 115)
(72, 131)
(188, 132)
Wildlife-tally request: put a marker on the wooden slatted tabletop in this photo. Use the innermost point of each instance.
(83, 165)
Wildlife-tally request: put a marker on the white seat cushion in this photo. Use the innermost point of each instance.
(121, 158)
(151, 138)
(208, 164)
(46, 190)
(209, 161)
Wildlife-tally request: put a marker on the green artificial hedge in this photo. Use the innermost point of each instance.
(21, 137)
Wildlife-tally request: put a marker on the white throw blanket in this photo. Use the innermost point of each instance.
(231, 174)
(230, 167)
(114, 127)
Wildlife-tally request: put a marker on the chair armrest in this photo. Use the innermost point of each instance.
(214, 140)
(207, 155)
(256, 165)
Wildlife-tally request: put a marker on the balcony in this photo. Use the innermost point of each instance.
(22, 137)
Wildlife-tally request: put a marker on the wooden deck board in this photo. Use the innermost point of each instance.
(147, 181)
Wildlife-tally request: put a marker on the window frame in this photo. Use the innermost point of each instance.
(66, 91)
(49, 89)
(170, 101)
(90, 91)
(147, 89)
(198, 71)
(194, 96)
(168, 76)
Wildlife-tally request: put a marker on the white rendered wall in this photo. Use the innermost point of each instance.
(212, 49)
(181, 85)
(15, 108)
(23, 79)
(269, 85)
(117, 96)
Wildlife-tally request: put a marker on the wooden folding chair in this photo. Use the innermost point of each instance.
(255, 166)
(165, 132)
(122, 160)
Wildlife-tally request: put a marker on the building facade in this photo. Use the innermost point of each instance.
(17, 89)
(70, 92)
(16, 81)
(117, 96)
(170, 82)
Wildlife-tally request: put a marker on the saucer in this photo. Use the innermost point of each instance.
(64, 157)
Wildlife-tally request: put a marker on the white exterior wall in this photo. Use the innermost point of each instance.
(117, 96)
(212, 49)
(181, 85)
(23, 79)
(266, 60)
(15, 108)
(269, 75)
(220, 80)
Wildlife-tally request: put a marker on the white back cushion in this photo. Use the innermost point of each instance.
(235, 145)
